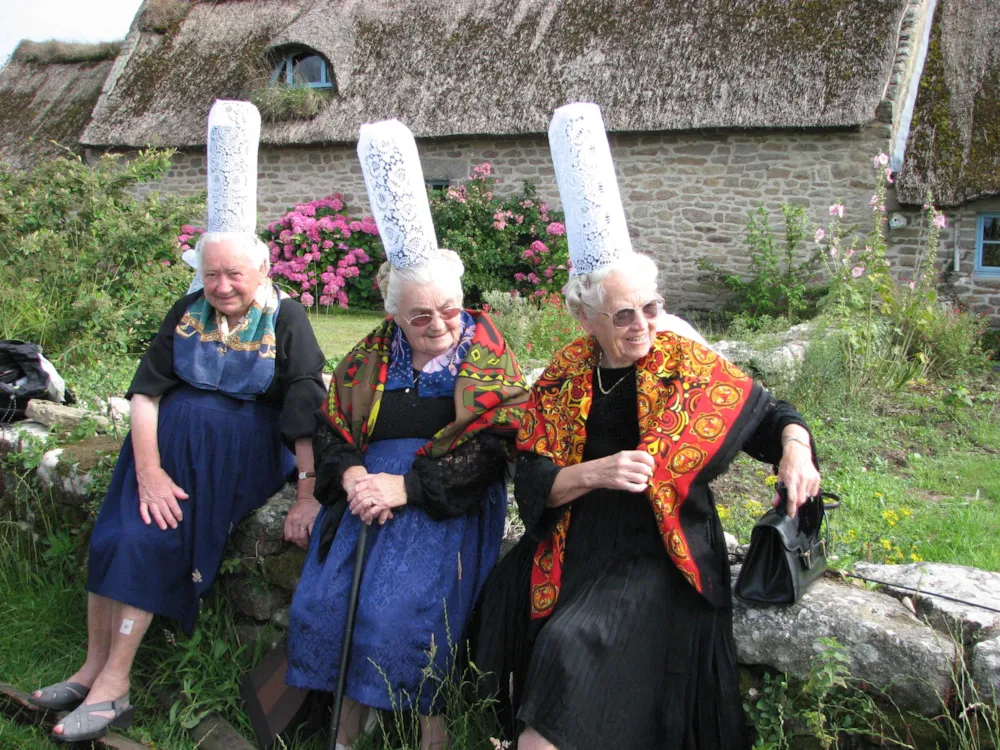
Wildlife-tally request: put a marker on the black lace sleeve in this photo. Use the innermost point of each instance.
(533, 481)
(454, 484)
(333, 456)
(765, 443)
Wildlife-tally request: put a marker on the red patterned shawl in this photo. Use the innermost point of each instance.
(689, 398)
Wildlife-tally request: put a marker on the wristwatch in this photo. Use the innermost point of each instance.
(307, 474)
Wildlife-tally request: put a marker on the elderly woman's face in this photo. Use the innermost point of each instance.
(430, 318)
(622, 346)
(230, 279)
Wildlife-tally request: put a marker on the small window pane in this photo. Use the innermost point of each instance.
(991, 229)
(991, 254)
(309, 70)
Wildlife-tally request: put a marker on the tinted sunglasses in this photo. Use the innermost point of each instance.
(424, 319)
(625, 317)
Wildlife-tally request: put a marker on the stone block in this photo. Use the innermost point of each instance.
(986, 668)
(957, 581)
(262, 533)
(52, 414)
(254, 599)
(889, 648)
(284, 570)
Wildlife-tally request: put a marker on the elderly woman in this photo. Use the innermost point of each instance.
(229, 384)
(415, 441)
(231, 380)
(609, 625)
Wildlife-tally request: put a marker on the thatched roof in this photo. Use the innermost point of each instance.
(491, 67)
(953, 148)
(47, 93)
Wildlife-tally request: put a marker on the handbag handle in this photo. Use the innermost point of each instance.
(782, 491)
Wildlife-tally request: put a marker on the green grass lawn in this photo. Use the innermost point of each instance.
(338, 332)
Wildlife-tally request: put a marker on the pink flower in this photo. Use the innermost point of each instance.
(528, 254)
(166, 262)
(555, 228)
(939, 221)
(307, 299)
(857, 271)
(874, 201)
(881, 160)
(833, 251)
(534, 279)
(499, 225)
(539, 247)
(519, 276)
(820, 234)
(912, 286)
(837, 209)
(888, 175)
(482, 171)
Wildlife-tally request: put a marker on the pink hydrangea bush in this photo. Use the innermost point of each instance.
(323, 256)
(512, 243)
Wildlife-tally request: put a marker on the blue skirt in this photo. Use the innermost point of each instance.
(228, 456)
(421, 579)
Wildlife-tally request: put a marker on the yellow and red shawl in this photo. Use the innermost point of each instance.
(490, 392)
(688, 399)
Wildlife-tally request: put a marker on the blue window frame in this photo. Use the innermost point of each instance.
(987, 245)
(302, 67)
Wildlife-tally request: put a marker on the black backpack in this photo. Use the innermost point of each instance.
(24, 375)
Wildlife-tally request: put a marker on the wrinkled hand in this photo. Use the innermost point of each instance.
(300, 519)
(625, 470)
(158, 496)
(375, 495)
(351, 476)
(800, 477)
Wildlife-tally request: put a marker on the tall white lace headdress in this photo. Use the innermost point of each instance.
(397, 192)
(233, 137)
(596, 230)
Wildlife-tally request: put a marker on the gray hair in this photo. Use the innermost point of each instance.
(248, 245)
(588, 288)
(444, 271)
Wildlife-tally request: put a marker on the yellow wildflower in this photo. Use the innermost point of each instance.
(886, 544)
(890, 516)
(771, 481)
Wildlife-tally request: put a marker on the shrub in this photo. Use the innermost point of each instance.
(777, 286)
(533, 329)
(86, 268)
(516, 243)
(281, 103)
(326, 256)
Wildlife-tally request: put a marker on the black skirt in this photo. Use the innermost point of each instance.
(632, 657)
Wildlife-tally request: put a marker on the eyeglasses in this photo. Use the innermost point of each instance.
(625, 317)
(424, 319)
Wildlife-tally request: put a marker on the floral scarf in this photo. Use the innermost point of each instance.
(489, 390)
(238, 362)
(437, 378)
(689, 398)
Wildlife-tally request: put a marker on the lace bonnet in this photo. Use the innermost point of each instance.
(397, 193)
(233, 136)
(585, 174)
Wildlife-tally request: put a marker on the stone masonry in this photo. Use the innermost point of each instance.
(686, 194)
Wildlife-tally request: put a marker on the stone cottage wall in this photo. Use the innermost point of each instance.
(980, 293)
(686, 194)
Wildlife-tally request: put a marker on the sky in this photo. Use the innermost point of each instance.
(66, 20)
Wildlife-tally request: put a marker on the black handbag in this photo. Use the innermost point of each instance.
(786, 555)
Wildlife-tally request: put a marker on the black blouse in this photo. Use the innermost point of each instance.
(298, 383)
(446, 487)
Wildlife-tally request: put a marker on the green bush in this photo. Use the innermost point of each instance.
(281, 103)
(533, 329)
(777, 285)
(516, 243)
(86, 268)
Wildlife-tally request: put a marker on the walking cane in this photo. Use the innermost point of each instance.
(345, 649)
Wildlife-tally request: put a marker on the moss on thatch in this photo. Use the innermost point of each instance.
(162, 16)
(45, 108)
(953, 149)
(283, 103)
(498, 67)
(55, 52)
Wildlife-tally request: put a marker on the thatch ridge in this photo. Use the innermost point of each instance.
(953, 149)
(54, 52)
(499, 67)
(42, 105)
